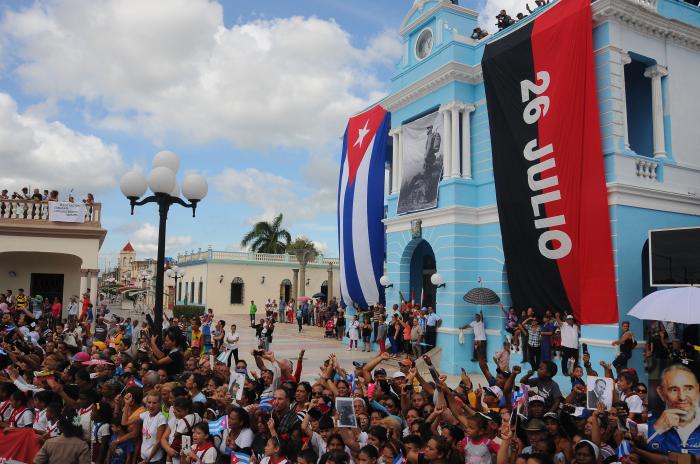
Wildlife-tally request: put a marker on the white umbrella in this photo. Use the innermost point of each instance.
(680, 305)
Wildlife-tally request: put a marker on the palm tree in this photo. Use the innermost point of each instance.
(268, 237)
(305, 252)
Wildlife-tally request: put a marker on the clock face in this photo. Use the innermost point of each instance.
(424, 44)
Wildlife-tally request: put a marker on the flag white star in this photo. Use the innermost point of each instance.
(361, 134)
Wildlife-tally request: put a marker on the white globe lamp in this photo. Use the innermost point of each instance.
(133, 184)
(385, 281)
(167, 159)
(437, 280)
(162, 180)
(194, 187)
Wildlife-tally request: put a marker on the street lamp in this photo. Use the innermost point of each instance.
(175, 273)
(163, 183)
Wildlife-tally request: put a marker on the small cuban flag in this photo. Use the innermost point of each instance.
(265, 403)
(240, 458)
(134, 382)
(219, 425)
(399, 459)
(623, 449)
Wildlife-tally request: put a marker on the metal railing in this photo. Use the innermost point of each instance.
(32, 210)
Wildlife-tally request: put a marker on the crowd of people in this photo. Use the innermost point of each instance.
(116, 392)
(46, 195)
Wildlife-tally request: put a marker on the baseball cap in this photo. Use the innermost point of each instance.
(407, 362)
(359, 364)
(495, 391)
(380, 371)
(569, 316)
(534, 398)
(81, 356)
(552, 416)
(398, 375)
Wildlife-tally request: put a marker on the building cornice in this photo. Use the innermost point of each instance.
(650, 198)
(618, 194)
(408, 28)
(440, 216)
(47, 229)
(445, 74)
(637, 17)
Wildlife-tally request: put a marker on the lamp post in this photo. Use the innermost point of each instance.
(176, 274)
(163, 183)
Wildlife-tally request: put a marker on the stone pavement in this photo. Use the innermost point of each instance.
(286, 343)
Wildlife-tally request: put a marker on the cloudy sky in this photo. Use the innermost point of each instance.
(252, 94)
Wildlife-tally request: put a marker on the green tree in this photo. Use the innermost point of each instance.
(267, 237)
(305, 252)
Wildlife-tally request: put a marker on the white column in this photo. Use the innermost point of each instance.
(83, 281)
(93, 288)
(395, 155)
(466, 143)
(454, 172)
(624, 60)
(399, 176)
(656, 72)
(446, 140)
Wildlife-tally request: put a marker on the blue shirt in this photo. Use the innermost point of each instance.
(432, 319)
(670, 441)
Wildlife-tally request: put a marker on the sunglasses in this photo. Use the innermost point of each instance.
(641, 390)
(316, 394)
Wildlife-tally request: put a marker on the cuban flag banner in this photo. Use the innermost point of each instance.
(361, 207)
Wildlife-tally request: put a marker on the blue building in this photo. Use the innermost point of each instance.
(647, 57)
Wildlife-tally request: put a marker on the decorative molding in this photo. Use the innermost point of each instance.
(447, 73)
(442, 216)
(656, 71)
(641, 18)
(618, 194)
(652, 198)
(407, 28)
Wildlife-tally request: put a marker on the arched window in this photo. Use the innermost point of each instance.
(237, 291)
(199, 293)
(179, 291)
(192, 291)
(285, 290)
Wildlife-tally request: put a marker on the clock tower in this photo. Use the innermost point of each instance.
(430, 25)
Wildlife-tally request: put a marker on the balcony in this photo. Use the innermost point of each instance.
(199, 256)
(51, 219)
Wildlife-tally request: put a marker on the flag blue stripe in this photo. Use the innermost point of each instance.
(374, 213)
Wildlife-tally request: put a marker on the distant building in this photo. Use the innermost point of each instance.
(50, 251)
(127, 256)
(227, 280)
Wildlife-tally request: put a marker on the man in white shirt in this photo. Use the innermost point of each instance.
(72, 309)
(477, 325)
(569, 341)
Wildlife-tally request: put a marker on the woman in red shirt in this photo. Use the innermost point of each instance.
(84, 309)
(56, 310)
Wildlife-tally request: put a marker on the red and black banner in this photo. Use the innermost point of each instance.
(548, 165)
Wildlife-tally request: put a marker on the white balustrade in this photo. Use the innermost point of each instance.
(646, 169)
(30, 210)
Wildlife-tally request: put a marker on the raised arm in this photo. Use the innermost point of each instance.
(371, 364)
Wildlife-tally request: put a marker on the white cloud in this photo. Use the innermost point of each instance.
(321, 246)
(42, 154)
(145, 241)
(273, 194)
(171, 67)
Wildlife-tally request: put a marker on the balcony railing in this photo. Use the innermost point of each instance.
(38, 211)
(249, 256)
